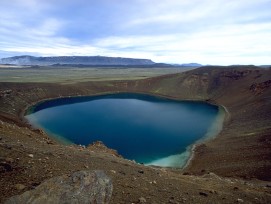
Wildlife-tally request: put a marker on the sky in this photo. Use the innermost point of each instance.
(218, 32)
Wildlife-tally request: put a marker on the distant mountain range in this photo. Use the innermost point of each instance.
(86, 61)
(74, 60)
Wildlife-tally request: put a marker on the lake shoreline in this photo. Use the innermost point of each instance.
(189, 149)
(208, 137)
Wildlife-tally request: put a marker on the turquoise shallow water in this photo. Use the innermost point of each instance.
(144, 128)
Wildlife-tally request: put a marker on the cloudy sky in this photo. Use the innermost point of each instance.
(174, 31)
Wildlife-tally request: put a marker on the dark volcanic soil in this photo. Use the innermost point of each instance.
(233, 167)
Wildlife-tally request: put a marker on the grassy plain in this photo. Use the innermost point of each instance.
(74, 74)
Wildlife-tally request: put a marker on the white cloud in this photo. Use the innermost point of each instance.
(174, 31)
(49, 27)
(222, 45)
(245, 44)
(172, 12)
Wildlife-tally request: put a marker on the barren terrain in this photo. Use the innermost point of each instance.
(233, 167)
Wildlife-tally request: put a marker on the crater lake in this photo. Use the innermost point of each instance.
(148, 129)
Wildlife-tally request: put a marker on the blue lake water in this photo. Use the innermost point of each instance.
(148, 129)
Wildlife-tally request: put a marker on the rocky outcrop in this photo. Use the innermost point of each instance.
(80, 187)
(258, 88)
(99, 146)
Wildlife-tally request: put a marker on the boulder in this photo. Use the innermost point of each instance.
(80, 187)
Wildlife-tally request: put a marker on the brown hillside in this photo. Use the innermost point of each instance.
(242, 150)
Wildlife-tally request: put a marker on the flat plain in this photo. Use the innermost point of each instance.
(75, 74)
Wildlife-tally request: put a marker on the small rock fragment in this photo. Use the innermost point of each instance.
(122, 172)
(49, 142)
(239, 200)
(7, 146)
(31, 155)
(203, 194)
(10, 160)
(35, 184)
(142, 200)
(173, 201)
(141, 171)
(212, 191)
(20, 186)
